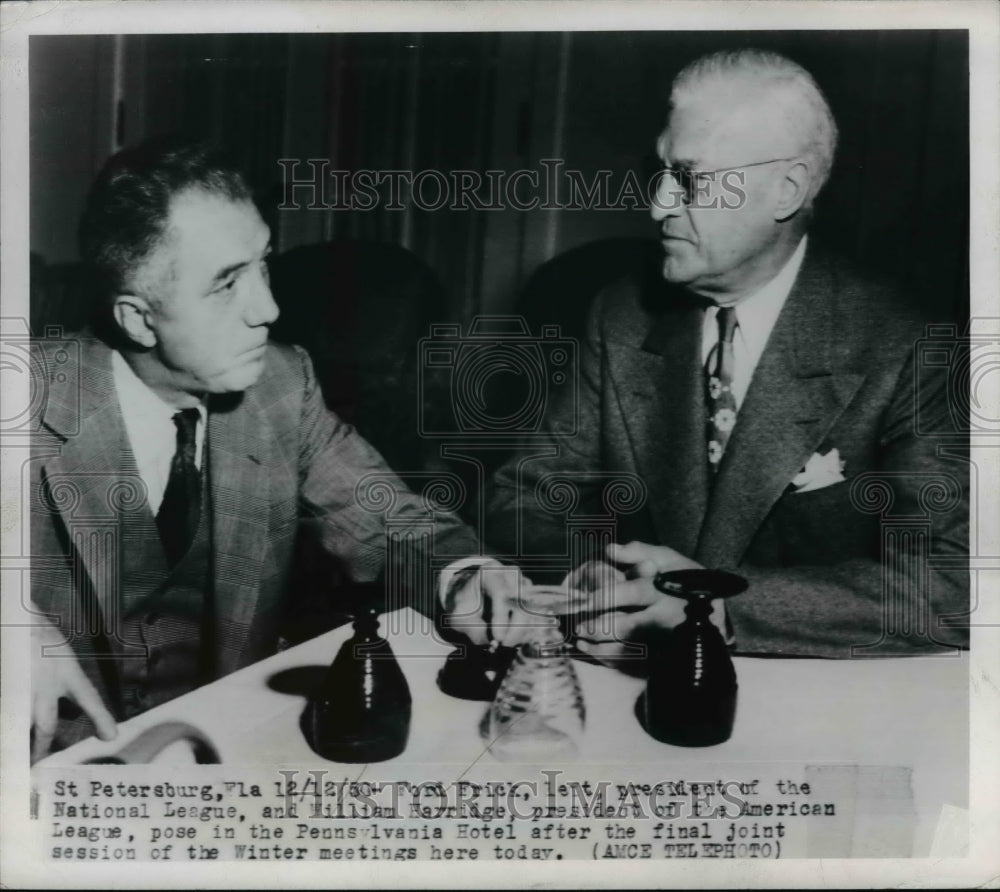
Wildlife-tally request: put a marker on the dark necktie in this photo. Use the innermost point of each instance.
(180, 510)
(720, 402)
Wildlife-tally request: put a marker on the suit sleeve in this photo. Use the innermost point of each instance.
(356, 502)
(521, 520)
(911, 592)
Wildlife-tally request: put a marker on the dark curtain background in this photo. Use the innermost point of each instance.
(898, 199)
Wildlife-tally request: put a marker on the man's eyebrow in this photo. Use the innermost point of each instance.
(227, 271)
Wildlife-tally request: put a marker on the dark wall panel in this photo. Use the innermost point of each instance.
(897, 199)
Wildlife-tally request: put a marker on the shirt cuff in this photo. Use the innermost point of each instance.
(449, 573)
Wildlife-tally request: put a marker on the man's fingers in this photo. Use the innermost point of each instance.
(510, 625)
(468, 619)
(648, 560)
(55, 677)
(593, 575)
(665, 612)
(501, 618)
(627, 656)
(520, 627)
(44, 718)
(609, 627)
(718, 618)
(646, 569)
(634, 593)
(500, 588)
(603, 651)
(645, 560)
(631, 552)
(466, 613)
(79, 687)
(486, 609)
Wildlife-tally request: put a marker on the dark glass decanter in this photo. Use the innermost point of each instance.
(690, 697)
(361, 712)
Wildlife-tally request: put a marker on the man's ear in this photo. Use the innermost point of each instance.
(132, 313)
(793, 190)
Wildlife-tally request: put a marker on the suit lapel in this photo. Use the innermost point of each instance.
(94, 485)
(239, 437)
(663, 408)
(798, 391)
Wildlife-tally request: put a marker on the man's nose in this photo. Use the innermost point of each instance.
(261, 307)
(668, 198)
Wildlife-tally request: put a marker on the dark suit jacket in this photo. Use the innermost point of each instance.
(838, 372)
(277, 457)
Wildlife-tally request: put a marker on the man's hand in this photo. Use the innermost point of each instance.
(632, 606)
(487, 607)
(645, 560)
(53, 677)
(622, 614)
(593, 576)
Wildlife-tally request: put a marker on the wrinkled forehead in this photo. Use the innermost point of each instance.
(198, 216)
(720, 127)
(205, 231)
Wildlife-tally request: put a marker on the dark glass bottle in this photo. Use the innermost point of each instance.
(361, 713)
(690, 698)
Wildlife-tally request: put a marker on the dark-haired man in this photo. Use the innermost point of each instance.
(766, 395)
(170, 477)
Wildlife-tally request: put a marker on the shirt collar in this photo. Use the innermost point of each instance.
(138, 401)
(757, 313)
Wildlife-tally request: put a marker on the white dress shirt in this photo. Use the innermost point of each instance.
(149, 423)
(755, 318)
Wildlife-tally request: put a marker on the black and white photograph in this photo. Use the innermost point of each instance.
(493, 445)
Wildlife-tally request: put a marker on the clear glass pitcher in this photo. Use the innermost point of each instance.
(538, 714)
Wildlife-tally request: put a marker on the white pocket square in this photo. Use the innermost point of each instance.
(820, 471)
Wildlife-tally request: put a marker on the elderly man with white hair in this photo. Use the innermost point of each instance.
(767, 394)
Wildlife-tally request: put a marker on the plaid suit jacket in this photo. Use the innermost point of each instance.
(277, 457)
(829, 568)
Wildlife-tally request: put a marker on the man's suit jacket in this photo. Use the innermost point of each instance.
(838, 372)
(276, 456)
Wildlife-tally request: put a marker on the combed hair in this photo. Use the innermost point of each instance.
(128, 205)
(785, 83)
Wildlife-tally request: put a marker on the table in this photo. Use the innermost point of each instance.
(908, 713)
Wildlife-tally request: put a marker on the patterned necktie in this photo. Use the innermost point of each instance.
(720, 402)
(177, 519)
